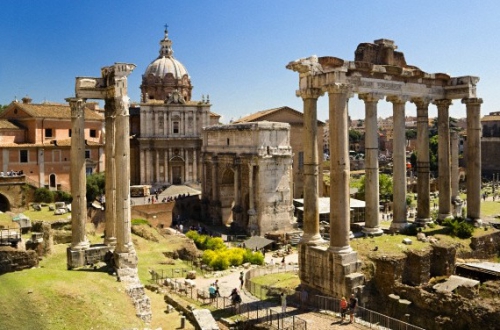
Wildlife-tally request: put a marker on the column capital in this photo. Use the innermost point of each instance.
(370, 97)
(309, 93)
(472, 101)
(338, 88)
(421, 102)
(443, 103)
(398, 99)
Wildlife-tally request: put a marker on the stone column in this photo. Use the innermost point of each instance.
(473, 158)
(78, 176)
(186, 166)
(165, 167)
(157, 166)
(399, 220)
(455, 175)
(215, 169)
(110, 174)
(311, 167)
(423, 179)
(372, 220)
(155, 123)
(142, 153)
(124, 243)
(340, 212)
(237, 189)
(253, 226)
(195, 166)
(444, 177)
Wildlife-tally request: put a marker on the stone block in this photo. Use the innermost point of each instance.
(407, 241)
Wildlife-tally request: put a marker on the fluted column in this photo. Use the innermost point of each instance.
(78, 176)
(110, 174)
(165, 167)
(444, 159)
(340, 214)
(195, 166)
(372, 220)
(157, 166)
(473, 158)
(454, 166)
(311, 167)
(399, 220)
(423, 179)
(143, 165)
(215, 169)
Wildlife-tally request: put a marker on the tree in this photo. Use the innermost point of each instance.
(95, 186)
(3, 107)
(354, 136)
(385, 185)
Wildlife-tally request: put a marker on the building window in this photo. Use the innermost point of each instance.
(301, 160)
(23, 156)
(88, 170)
(93, 133)
(176, 127)
(87, 154)
(69, 132)
(49, 133)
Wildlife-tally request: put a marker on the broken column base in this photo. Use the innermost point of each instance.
(329, 272)
(80, 258)
(126, 271)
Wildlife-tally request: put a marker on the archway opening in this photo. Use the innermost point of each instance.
(4, 203)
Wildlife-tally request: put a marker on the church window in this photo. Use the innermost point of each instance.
(176, 127)
(23, 156)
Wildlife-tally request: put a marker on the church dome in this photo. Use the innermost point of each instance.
(165, 76)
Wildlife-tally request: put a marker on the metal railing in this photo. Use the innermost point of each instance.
(364, 316)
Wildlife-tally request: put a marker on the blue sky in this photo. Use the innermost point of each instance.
(236, 51)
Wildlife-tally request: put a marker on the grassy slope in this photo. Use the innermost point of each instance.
(50, 297)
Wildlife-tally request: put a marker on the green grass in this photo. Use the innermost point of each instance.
(490, 208)
(51, 297)
(281, 281)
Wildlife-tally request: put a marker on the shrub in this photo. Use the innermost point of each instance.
(95, 186)
(220, 262)
(235, 256)
(63, 196)
(256, 258)
(43, 195)
(410, 230)
(214, 243)
(465, 230)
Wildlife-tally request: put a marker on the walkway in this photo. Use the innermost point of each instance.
(315, 320)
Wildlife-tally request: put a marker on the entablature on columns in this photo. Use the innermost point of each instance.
(111, 84)
(376, 73)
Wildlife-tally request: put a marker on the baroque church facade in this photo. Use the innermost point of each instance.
(167, 126)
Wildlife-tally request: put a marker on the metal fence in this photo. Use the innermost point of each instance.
(364, 316)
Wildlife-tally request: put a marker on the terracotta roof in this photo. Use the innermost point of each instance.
(56, 111)
(213, 114)
(5, 124)
(262, 115)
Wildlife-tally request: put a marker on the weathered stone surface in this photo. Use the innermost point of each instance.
(205, 320)
(417, 267)
(13, 260)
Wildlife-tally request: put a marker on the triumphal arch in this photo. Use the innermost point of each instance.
(378, 71)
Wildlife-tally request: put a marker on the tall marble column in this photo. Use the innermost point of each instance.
(252, 213)
(311, 167)
(444, 176)
(110, 174)
(157, 166)
(122, 138)
(340, 215)
(455, 176)
(165, 167)
(78, 176)
(473, 158)
(423, 178)
(399, 220)
(372, 220)
(142, 161)
(195, 166)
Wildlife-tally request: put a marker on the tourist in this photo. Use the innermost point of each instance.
(241, 280)
(235, 297)
(343, 309)
(353, 303)
(283, 302)
(216, 285)
(211, 292)
(283, 261)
